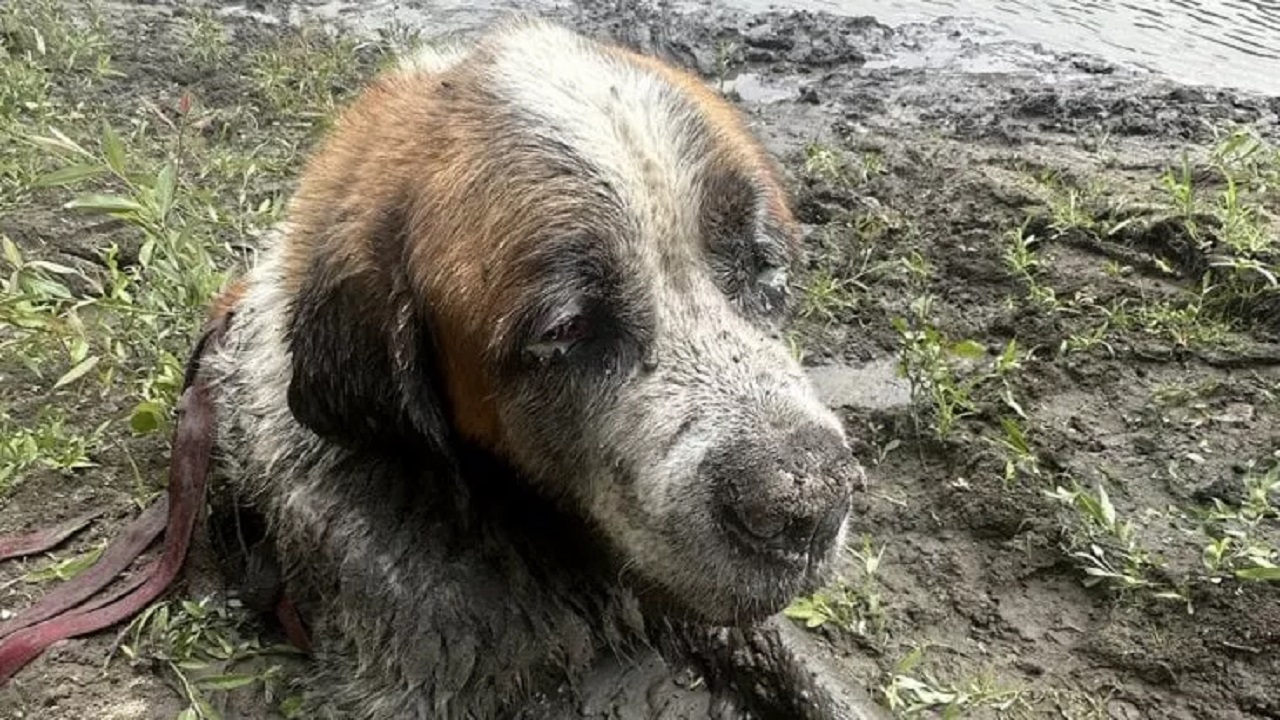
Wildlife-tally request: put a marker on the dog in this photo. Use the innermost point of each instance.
(507, 391)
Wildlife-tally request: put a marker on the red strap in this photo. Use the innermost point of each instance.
(46, 539)
(188, 473)
(136, 538)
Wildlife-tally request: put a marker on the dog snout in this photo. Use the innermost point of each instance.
(787, 498)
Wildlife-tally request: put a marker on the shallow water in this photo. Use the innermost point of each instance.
(1228, 43)
(1232, 43)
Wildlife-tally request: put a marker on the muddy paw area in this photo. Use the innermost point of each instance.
(1042, 291)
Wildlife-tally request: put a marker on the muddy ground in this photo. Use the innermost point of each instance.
(1022, 194)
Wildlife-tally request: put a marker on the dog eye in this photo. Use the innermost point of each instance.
(559, 339)
(772, 280)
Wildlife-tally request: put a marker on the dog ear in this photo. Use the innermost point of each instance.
(363, 357)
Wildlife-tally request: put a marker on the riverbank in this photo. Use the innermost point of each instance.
(1072, 493)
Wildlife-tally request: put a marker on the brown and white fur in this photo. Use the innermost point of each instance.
(507, 389)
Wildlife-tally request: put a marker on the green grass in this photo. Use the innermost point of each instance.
(829, 298)
(206, 647)
(1231, 541)
(159, 196)
(939, 369)
(181, 200)
(851, 607)
(835, 165)
(206, 41)
(914, 692)
(298, 76)
(1236, 543)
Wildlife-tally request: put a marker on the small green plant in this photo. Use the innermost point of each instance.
(1243, 155)
(1019, 458)
(47, 443)
(66, 568)
(1181, 192)
(1067, 212)
(912, 692)
(1105, 545)
(155, 305)
(883, 445)
(829, 298)
(930, 363)
(1024, 263)
(835, 167)
(1185, 323)
(1019, 252)
(825, 163)
(206, 647)
(307, 74)
(916, 267)
(51, 33)
(1242, 228)
(207, 40)
(795, 346)
(724, 62)
(855, 609)
(1236, 544)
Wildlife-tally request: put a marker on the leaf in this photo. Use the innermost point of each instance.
(230, 681)
(52, 267)
(1014, 405)
(146, 252)
(45, 288)
(104, 203)
(65, 569)
(112, 149)
(910, 661)
(79, 350)
(291, 706)
(1108, 510)
(188, 714)
(968, 349)
(77, 372)
(60, 144)
(69, 174)
(1259, 573)
(11, 252)
(207, 711)
(166, 181)
(147, 417)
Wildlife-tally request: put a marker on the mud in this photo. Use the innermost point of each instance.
(946, 132)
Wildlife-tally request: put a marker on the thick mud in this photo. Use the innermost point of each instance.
(914, 153)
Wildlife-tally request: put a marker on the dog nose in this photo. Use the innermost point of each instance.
(768, 526)
(787, 498)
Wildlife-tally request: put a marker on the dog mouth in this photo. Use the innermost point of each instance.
(798, 549)
(753, 579)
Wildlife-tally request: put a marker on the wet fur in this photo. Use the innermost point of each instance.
(466, 524)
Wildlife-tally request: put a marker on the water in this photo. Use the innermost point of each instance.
(1229, 43)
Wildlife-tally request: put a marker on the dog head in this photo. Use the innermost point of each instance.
(574, 257)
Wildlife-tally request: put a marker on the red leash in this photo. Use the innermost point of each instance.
(75, 608)
(47, 539)
(188, 474)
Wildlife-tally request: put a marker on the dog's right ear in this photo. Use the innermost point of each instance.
(363, 357)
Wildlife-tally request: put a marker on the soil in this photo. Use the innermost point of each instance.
(976, 570)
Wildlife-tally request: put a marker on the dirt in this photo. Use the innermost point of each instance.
(975, 569)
